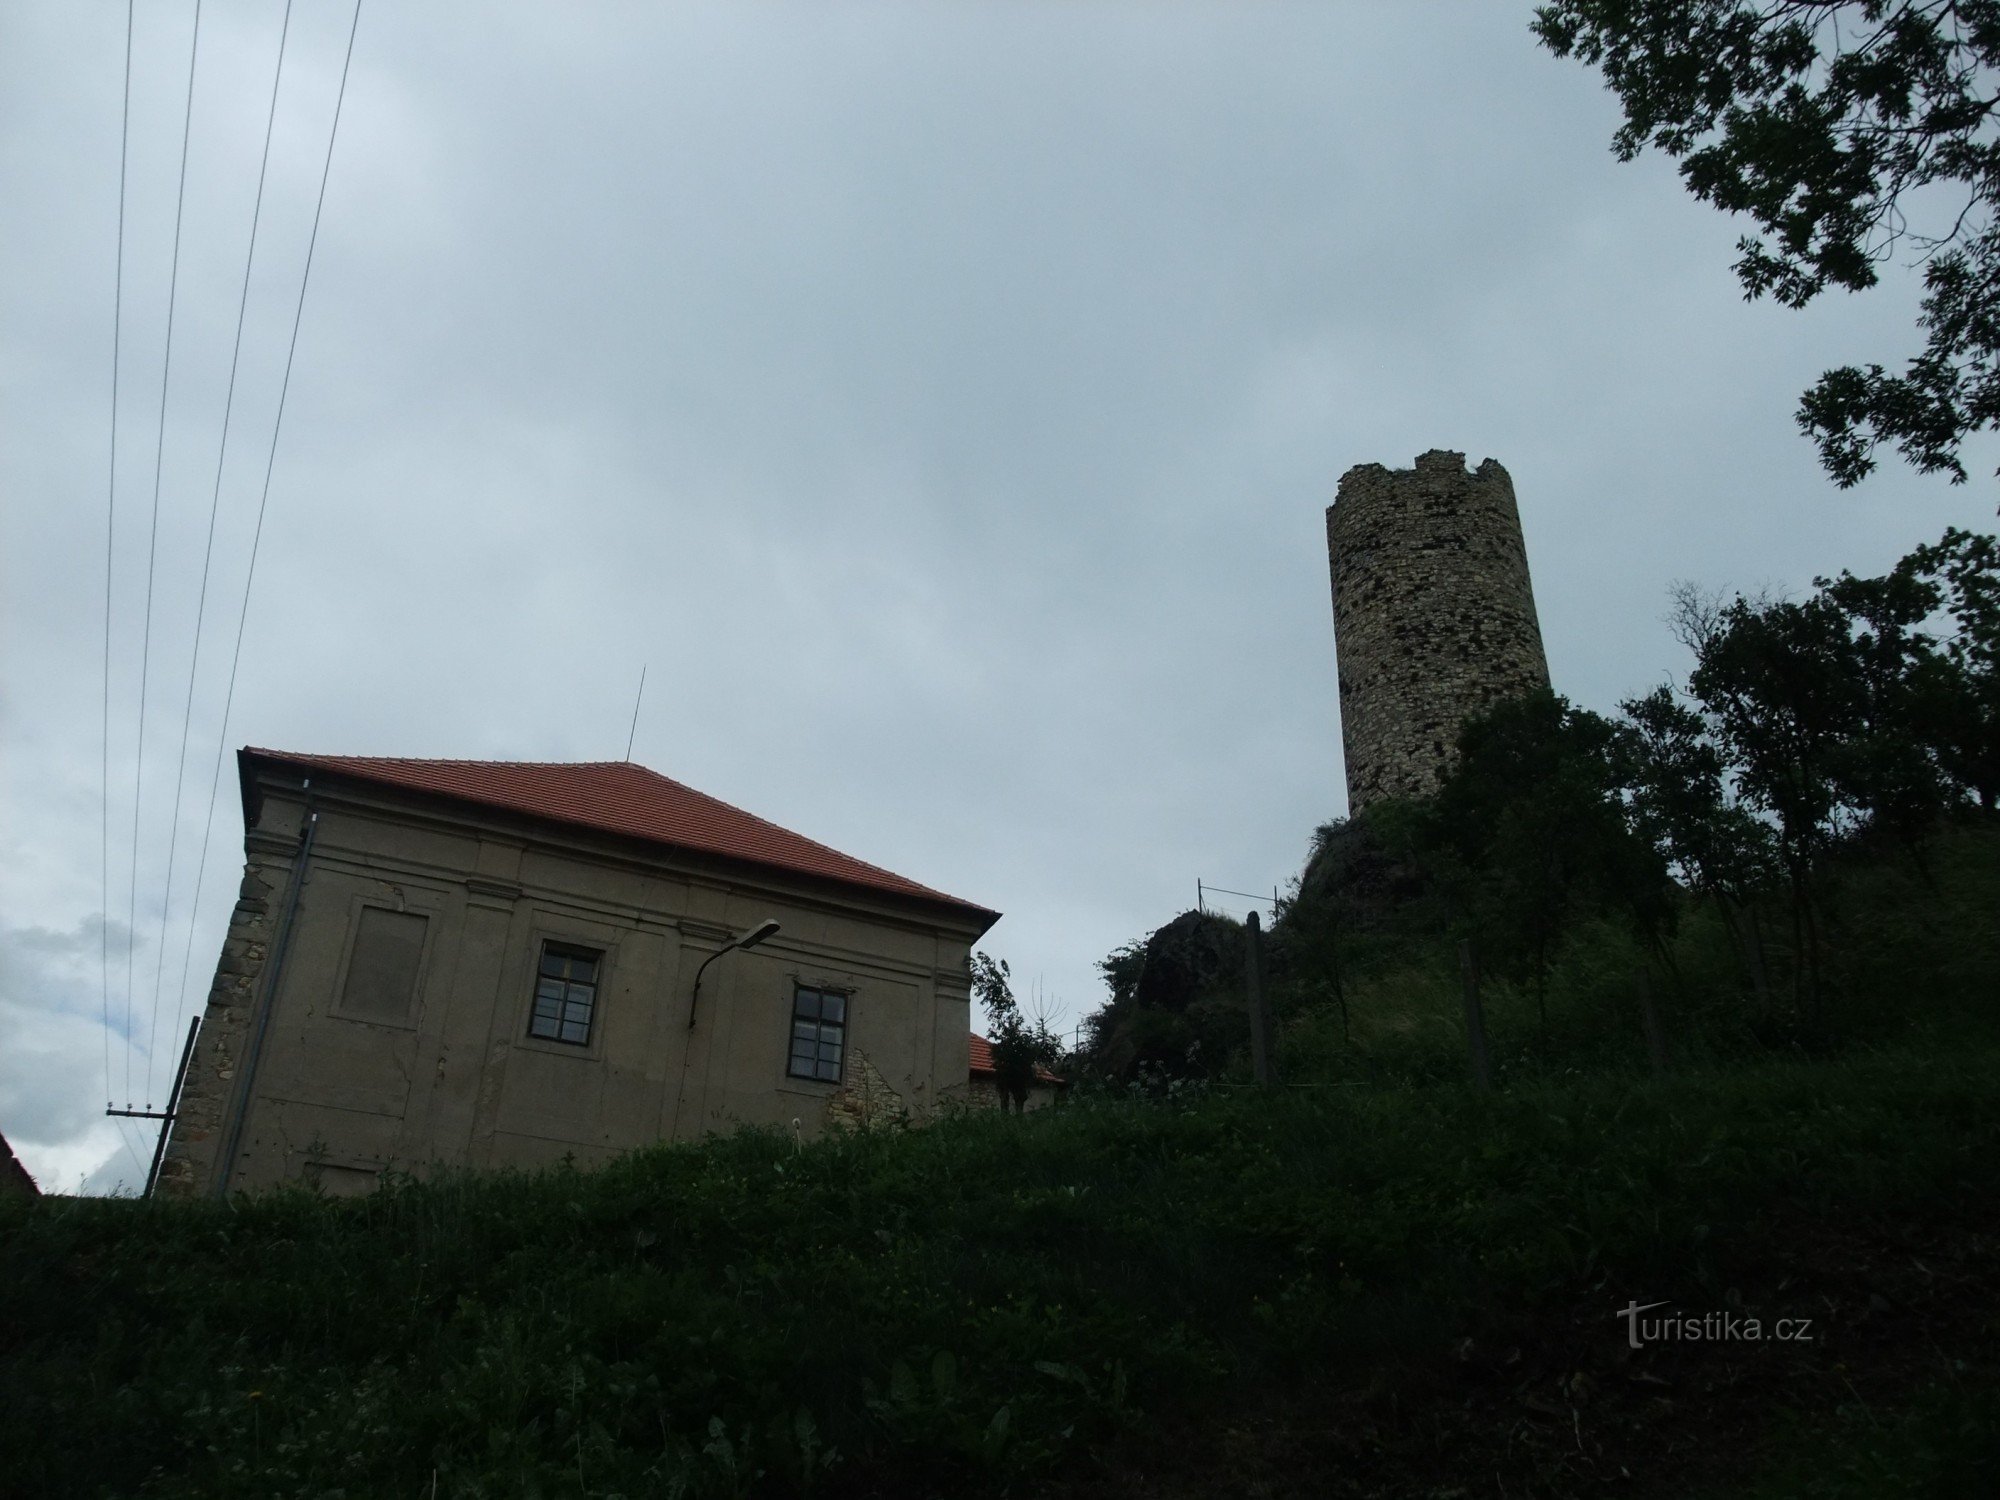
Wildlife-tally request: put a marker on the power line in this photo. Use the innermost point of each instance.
(125, 1140)
(152, 554)
(214, 506)
(263, 502)
(110, 531)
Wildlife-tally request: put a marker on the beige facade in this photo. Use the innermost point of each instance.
(376, 1002)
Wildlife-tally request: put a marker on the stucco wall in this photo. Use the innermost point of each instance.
(337, 1098)
(1434, 616)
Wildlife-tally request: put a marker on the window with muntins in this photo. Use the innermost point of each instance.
(565, 994)
(819, 1030)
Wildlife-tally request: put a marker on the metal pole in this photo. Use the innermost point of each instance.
(695, 998)
(173, 1105)
(1260, 1015)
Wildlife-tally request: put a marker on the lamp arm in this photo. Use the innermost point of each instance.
(695, 999)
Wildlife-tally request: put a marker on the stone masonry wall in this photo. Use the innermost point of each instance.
(188, 1168)
(867, 1098)
(1433, 613)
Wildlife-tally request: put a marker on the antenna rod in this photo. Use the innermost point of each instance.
(634, 735)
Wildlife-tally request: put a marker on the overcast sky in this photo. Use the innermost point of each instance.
(939, 401)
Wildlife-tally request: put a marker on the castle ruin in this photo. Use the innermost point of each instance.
(1433, 616)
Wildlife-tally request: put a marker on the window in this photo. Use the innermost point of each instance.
(382, 968)
(565, 994)
(819, 1022)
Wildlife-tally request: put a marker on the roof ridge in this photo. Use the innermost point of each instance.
(801, 837)
(443, 760)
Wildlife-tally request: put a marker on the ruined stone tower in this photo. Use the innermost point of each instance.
(1433, 615)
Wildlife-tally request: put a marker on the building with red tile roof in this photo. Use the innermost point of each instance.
(984, 1079)
(501, 963)
(620, 798)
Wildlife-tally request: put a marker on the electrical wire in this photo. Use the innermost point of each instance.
(125, 1140)
(264, 500)
(152, 554)
(110, 532)
(208, 555)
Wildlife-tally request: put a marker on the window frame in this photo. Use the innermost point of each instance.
(818, 1042)
(569, 950)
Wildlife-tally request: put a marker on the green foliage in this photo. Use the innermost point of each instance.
(1807, 813)
(1682, 803)
(1826, 123)
(1022, 1045)
(957, 1309)
(1964, 570)
(1945, 1444)
(1176, 1010)
(1533, 818)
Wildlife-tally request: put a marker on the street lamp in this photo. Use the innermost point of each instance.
(749, 939)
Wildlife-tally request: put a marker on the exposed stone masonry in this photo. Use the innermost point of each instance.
(1433, 614)
(189, 1164)
(866, 1099)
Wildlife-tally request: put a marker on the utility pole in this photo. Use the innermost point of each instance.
(164, 1116)
(1261, 1061)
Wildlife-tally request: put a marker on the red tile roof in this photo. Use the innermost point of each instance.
(622, 798)
(15, 1178)
(983, 1065)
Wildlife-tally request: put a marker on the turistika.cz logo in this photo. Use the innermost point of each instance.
(1708, 1328)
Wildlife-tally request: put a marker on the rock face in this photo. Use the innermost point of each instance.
(1433, 616)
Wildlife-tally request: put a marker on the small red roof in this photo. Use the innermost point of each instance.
(620, 797)
(982, 1062)
(15, 1178)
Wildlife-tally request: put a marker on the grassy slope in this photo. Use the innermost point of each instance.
(1377, 1279)
(997, 1300)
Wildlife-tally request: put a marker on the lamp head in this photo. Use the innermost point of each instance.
(757, 934)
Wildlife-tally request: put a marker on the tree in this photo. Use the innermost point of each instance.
(1020, 1044)
(1965, 569)
(1891, 770)
(1840, 714)
(1536, 833)
(1680, 802)
(1777, 686)
(1826, 121)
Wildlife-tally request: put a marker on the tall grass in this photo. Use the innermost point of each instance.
(1907, 951)
(958, 1307)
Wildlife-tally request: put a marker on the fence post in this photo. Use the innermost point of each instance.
(1649, 1014)
(1475, 1018)
(1260, 1010)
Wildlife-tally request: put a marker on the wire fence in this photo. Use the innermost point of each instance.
(1205, 894)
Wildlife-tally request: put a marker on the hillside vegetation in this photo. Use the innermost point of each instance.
(1116, 1295)
(1374, 1272)
(1789, 852)
(1372, 1279)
